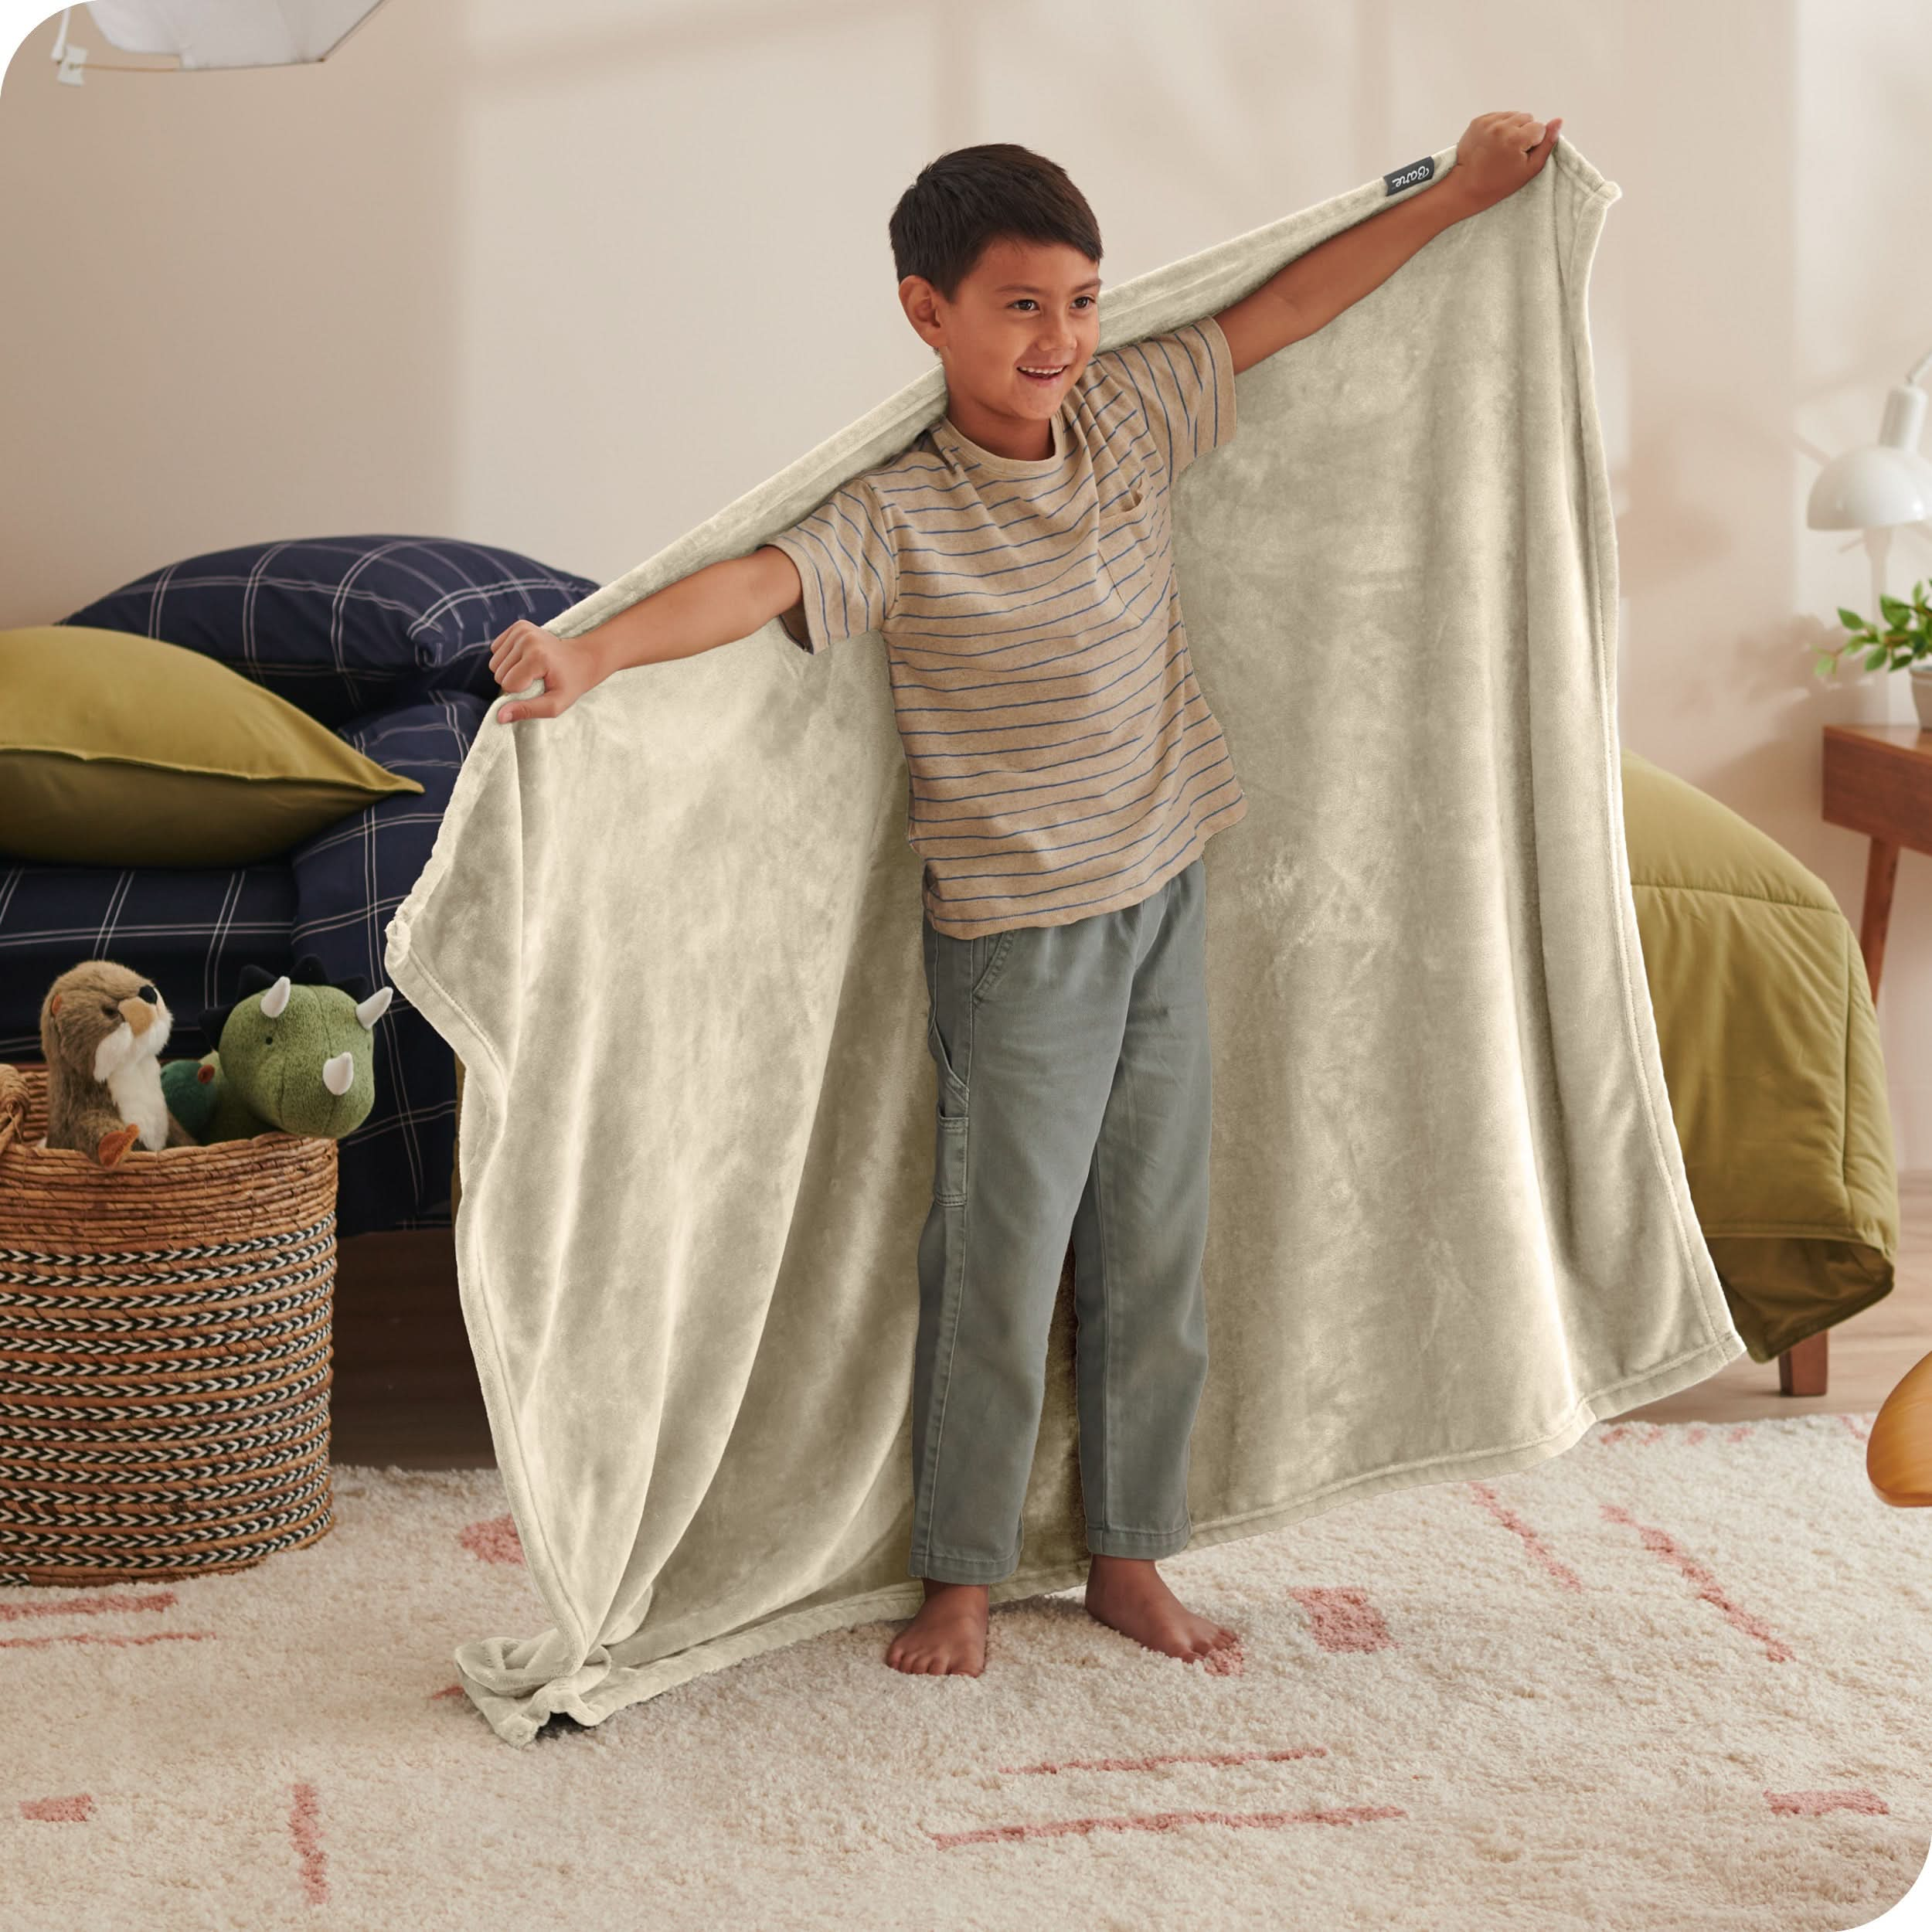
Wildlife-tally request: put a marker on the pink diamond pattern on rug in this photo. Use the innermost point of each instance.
(495, 1540)
(1608, 1435)
(1815, 1803)
(104, 1637)
(1344, 1619)
(1559, 1572)
(1169, 1758)
(59, 1811)
(103, 1603)
(1167, 1821)
(305, 1826)
(1660, 1543)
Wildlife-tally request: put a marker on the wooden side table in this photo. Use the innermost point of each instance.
(1878, 780)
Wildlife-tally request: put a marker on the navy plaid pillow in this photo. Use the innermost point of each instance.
(341, 625)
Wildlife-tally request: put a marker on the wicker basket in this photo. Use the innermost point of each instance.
(165, 1351)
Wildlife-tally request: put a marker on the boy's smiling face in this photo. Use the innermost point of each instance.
(1024, 307)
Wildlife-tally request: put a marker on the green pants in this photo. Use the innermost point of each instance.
(1074, 1099)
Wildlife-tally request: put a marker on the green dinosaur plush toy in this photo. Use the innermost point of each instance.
(298, 1055)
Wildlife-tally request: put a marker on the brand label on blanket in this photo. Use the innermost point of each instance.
(1416, 170)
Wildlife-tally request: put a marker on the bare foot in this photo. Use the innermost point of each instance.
(1128, 1594)
(948, 1636)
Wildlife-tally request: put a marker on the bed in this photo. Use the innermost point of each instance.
(1770, 1043)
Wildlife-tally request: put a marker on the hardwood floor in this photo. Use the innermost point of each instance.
(406, 1389)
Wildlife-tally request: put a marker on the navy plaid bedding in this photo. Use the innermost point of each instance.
(192, 931)
(344, 625)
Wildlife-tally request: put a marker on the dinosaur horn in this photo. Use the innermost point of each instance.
(369, 1010)
(276, 998)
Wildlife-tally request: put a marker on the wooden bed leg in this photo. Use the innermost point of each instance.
(1804, 1368)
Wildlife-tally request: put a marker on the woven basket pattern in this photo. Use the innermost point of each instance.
(165, 1351)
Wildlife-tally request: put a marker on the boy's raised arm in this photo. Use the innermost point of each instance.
(717, 604)
(1496, 154)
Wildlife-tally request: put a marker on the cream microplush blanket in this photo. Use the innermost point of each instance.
(674, 935)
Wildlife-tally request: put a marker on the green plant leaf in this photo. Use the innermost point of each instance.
(1850, 619)
(1873, 659)
(1897, 610)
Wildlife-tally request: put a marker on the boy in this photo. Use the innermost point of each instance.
(1066, 773)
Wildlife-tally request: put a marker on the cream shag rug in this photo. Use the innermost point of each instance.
(1679, 1677)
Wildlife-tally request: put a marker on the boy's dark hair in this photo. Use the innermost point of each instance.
(975, 195)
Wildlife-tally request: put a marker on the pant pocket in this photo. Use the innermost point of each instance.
(949, 1160)
(998, 946)
(951, 1053)
(952, 1089)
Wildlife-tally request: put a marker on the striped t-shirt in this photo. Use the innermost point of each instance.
(1061, 759)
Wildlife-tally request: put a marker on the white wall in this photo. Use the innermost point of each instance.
(1858, 174)
(570, 279)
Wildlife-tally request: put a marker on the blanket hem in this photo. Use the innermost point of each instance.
(485, 1080)
(1712, 1311)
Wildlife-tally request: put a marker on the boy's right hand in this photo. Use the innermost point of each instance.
(525, 652)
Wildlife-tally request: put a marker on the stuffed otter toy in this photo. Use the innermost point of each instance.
(102, 1028)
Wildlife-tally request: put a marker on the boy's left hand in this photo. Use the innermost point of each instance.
(1498, 153)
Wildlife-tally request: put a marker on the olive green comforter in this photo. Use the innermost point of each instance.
(1770, 1050)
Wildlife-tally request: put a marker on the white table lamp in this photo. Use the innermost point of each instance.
(1883, 483)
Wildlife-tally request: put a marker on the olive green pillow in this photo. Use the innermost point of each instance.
(122, 750)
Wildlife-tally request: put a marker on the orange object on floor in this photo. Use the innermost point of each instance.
(1898, 1459)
